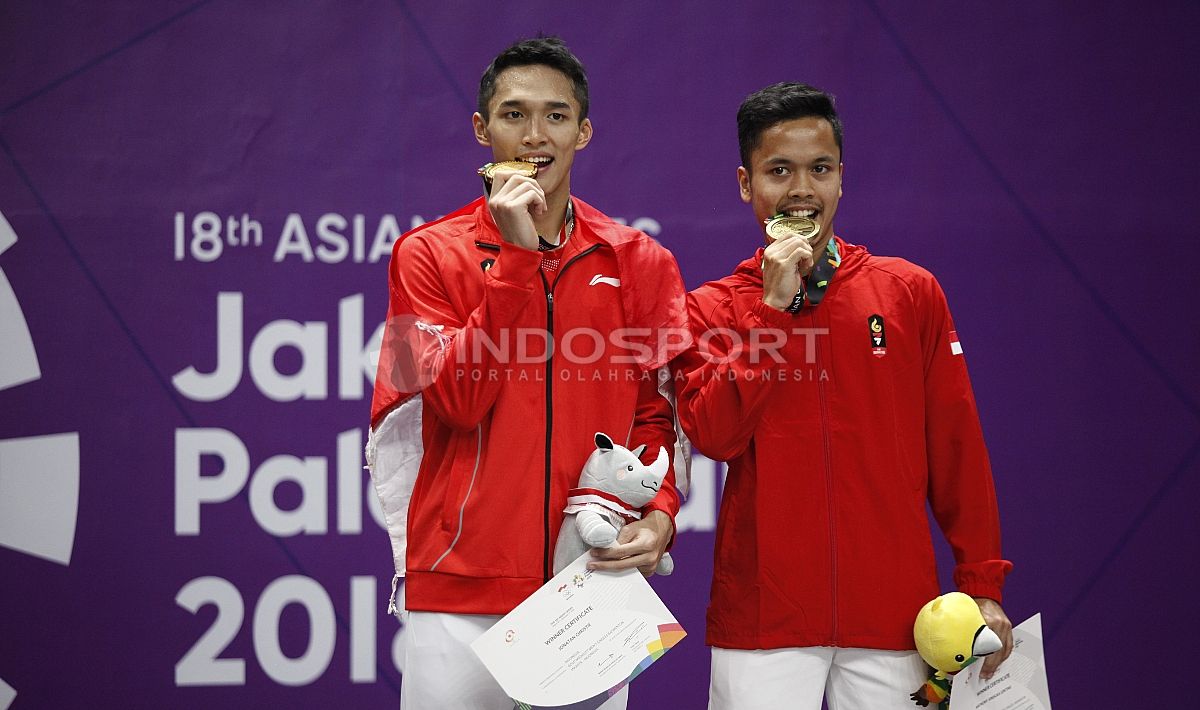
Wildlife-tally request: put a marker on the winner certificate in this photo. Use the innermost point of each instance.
(1019, 683)
(579, 639)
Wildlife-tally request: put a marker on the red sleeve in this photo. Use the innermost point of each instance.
(654, 426)
(449, 365)
(723, 391)
(961, 492)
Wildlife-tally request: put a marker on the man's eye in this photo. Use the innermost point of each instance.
(779, 170)
(556, 116)
(512, 114)
(821, 169)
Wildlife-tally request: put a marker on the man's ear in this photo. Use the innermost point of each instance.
(585, 134)
(744, 183)
(841, 178)
(480, 126)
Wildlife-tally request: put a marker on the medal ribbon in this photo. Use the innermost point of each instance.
(819, 279)
(567, 227)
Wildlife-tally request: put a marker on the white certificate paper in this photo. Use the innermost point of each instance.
(1019, 682)
(579, 639)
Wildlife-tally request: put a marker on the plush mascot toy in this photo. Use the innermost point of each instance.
(612, 489)
(951, 635)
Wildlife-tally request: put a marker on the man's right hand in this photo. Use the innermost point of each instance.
(513, 202)
(785, 261)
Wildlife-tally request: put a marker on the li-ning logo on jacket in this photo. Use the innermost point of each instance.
(601, 279)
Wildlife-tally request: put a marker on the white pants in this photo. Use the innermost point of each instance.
(796, 678)
(441, 672)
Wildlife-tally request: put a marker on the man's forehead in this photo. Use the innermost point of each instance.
(534, 84)
(801, 139)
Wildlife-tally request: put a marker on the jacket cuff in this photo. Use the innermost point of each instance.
(515, 266)
(982, 579)
(769, 316)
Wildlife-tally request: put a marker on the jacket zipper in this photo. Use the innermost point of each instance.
(549, 288)
(828, 485)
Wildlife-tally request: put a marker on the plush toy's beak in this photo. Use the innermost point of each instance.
(986, 642)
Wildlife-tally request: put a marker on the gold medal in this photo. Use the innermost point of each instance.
(784, 226)
(520, 167)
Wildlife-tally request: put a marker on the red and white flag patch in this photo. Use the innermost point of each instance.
(955, 346)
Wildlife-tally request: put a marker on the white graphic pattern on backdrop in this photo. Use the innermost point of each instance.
(18, 360)
(39, 476)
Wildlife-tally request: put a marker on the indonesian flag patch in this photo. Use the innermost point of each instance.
(955, 346)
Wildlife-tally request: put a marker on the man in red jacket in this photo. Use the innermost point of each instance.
(833, 383)
(518, 327)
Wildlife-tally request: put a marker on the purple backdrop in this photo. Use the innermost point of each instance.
(1034, 156)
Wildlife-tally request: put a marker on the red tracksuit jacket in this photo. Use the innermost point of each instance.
(506, 429)
(823, 538)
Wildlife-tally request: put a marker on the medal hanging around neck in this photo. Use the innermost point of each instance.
(812, 287)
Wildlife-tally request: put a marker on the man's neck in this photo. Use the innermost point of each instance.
(550, 224)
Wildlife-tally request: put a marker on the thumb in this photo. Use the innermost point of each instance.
(989, 666)
(626, 534)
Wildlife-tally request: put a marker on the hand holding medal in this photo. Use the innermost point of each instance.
(787, 259)
(514, 197)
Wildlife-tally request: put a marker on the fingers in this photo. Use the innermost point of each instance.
(786, 258)
(997, 621)
(511, 187)
(784, 262)
(990, 664)
(1006, 637)
(520, 192)
(789, 251)
(636, 547)
(645, 562)
(628, 545)
(514, 201)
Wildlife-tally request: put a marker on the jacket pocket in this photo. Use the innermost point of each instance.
(462, 477)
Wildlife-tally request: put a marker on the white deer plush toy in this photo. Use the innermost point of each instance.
(613, 487)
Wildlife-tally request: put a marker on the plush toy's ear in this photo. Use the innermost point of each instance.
(638, 451)
(603, 442)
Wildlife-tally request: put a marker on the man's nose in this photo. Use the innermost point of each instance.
(801, 185)
(535, 133)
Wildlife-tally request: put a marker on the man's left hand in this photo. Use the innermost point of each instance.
(998, 622)
(639, 544)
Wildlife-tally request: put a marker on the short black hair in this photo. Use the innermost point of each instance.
(547, 51)
(785, 101)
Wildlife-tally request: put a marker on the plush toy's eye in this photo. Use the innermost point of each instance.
(959, 658)
(629, 467)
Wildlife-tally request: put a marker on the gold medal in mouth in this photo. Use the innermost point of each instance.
(520, 167)
(782, 226)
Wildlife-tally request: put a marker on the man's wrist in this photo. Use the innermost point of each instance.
(769, 300)
(663, 524)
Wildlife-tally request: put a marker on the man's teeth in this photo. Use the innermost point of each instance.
(802, 213)
(540, 160)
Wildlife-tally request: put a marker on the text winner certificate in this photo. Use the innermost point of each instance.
(579, 639)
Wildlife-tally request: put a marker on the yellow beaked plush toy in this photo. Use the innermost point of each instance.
(951, 635)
